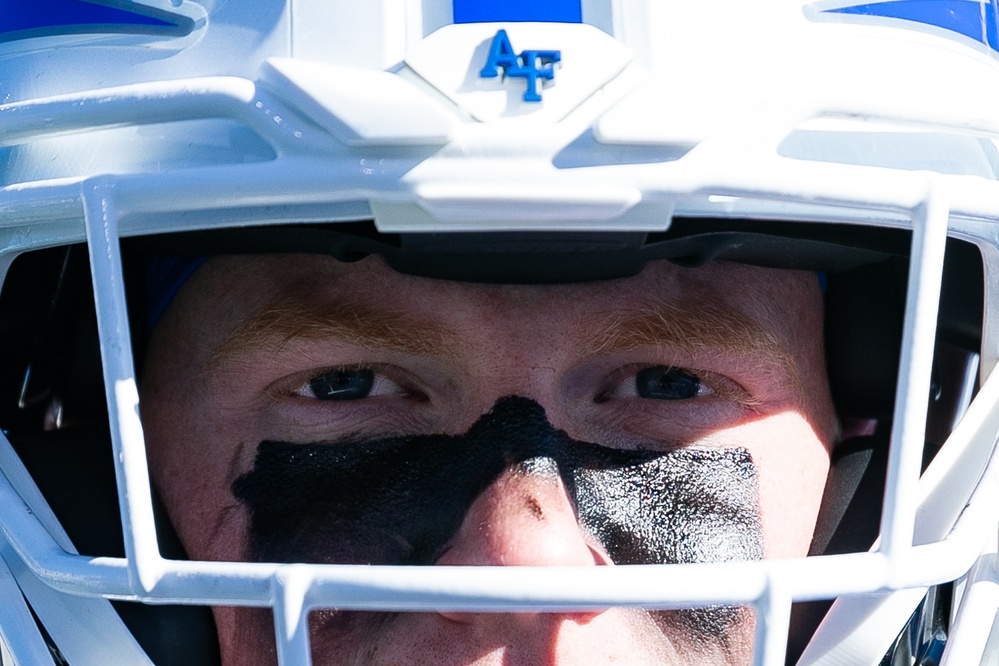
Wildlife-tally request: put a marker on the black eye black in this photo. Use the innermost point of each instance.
(662, 383)
(343, 384)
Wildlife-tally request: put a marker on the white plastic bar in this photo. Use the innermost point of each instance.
(976, 617)
(773, 612)
(929, 236)
(555, 589)
(862, 629)
(131, 472)
(45, 206)
(865, 625)
(141, 103)
(169, 101)
(291, 616)
(87, 630)
(17, 628)
(945, 488)
(301, 180)
(47, 560)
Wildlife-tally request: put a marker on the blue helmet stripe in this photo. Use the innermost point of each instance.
(487, 11)
(36, 18)
(971, 18)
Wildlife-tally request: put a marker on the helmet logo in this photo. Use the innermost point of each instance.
(530, 65)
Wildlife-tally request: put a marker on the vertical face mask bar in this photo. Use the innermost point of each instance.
(291, 615)
(773, 613)
(131, 471)
(929, 236)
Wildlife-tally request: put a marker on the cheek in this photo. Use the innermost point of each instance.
(792, 461)
(246, 635)
(194, 454)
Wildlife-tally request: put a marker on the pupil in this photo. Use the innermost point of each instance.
(342, 384)
(662, 383)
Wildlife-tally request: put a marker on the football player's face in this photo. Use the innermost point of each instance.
(300, 409)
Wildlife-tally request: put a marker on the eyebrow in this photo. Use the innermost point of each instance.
(300, 318)
(693, 328)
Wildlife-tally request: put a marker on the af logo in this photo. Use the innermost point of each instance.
(529, 65)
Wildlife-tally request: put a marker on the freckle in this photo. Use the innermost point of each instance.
(535, 507)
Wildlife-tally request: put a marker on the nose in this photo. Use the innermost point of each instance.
(524, 518)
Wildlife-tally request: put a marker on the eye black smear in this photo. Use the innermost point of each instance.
(398, 500)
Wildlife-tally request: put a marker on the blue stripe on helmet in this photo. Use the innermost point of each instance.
(488, 11)
(976, 19)
(39, 18)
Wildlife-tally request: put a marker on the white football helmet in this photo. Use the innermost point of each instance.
(508, 141)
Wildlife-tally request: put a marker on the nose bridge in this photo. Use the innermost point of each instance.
(530, 376)
(519, 352)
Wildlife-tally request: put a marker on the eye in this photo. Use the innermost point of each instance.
(340, 384)
(659, 382)
(351, 384)
(663, 383)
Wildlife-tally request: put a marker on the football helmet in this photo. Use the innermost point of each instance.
(519, 142)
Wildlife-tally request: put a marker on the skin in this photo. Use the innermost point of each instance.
(229, 366)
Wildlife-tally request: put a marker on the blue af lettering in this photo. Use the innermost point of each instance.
(530, 65)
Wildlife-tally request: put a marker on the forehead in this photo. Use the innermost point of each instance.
(253, 282)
